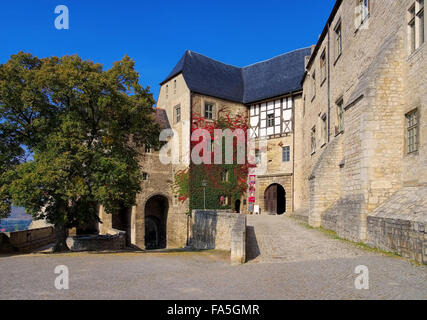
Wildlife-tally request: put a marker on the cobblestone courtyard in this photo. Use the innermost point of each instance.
(291, 262)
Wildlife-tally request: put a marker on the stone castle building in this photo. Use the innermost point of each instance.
(341, 130)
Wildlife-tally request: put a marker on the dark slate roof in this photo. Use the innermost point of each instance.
(274, 77)
(161, 118)
(263, 80)
(210, 77)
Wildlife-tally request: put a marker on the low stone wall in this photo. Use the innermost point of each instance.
(220, 230)
(400, 224)
(27, 240)
(238, 241)
(113, 241)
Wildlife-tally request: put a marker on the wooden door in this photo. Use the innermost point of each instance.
(271, 200)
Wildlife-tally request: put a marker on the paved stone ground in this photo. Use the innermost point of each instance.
(292, 263)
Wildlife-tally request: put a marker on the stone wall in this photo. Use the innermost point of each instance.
(378, 80)
(400, 224)
(27, 240)
(114, 240)
(324, 182)
(238, 241)
(212, 229)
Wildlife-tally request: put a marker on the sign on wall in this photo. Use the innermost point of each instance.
(252, 181)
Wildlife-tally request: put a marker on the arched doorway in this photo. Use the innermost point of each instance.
(275, 199)
(156, 212)
(237, 206)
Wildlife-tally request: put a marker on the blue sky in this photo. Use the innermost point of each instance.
(157, 33)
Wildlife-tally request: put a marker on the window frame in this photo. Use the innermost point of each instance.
(421, 26)
(412, 128)
(270, 117)
(313, 85)
(209, 112)
(412, 28)
(286, 151)
(416, 26)
(225, 176)
(365, 6)
(340, 116)
(258, 156)
(338, 40)
(313, 140)
(324, 130)
(178, 113)
(323, 67)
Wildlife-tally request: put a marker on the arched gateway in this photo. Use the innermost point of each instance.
(275, 199)
(155, 213)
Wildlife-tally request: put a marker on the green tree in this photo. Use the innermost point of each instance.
(82, 127)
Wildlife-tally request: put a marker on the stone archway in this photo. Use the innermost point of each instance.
(155, 217)
(275, 199)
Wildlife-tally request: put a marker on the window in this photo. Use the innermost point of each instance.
(224, 200)
(323, 66)
(313, 139)
(412, 33)
(145, 176)
(313, 85)
(420, 16)
(209, 111)
(338, 39)
(147, 149)
(412, 131)
(224, 176)
(340, 117)
(257, 156)
(174, 86)
(167, 91)
(324, 130)
(178, 113)
(270, 120)
(286, 154)
(416, 25)
(363, 10)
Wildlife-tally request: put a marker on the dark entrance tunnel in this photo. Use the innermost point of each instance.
(156, 211)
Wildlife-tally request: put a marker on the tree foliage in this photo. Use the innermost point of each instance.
(70, 133)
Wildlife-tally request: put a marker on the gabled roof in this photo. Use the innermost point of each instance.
(210, 77)
(275, 77)
(263, 80)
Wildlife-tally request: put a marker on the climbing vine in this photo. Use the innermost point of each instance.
(225, 183)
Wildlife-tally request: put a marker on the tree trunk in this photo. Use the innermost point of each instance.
(61, 237)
